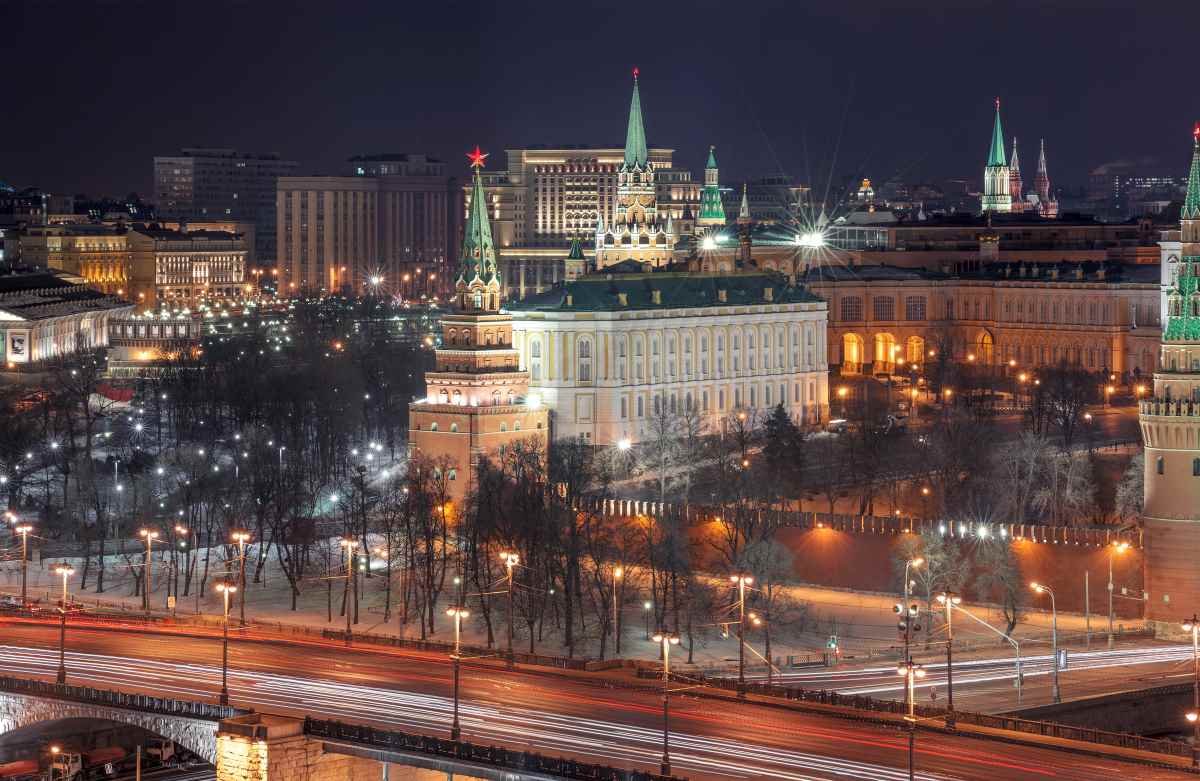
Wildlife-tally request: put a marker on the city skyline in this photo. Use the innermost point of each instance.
(866, 102)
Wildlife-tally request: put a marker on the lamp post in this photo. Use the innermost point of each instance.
(66, 571)
(349, 545)
(1193, 626)
(1042, 589)
(618, 573)
(911, 672)
(741, 581)
(908, 612)
(458, 614)
(1113, 549)
(510, 561)
(226, 589)
(647, 606)
(23, 530)
(666, 640)
(149, 535)
(949, 599)
(182, 531)
(241, 538)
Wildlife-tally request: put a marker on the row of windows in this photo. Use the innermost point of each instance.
(1160, 466)
(673, 401)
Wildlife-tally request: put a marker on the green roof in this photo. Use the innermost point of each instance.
(676, 290)
(1191, 203)
(635, 134)
(712, 158)
(478, 258)
(576, 252)
(1184, 327)
(996, 155)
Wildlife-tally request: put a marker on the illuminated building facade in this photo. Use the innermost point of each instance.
(184, 268)
(98, 253)
(1170, 423)
(477, 399)
(48, 315)
(389, 225)
(608, 351)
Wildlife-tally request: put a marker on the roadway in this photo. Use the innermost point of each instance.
(562, 715)
(988, 684)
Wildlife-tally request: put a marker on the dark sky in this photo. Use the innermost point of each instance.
(94, 89)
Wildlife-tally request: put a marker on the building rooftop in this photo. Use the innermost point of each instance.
(40, 295)
(394, 157)
(1090, 272)
(156, 231)
(611, 292)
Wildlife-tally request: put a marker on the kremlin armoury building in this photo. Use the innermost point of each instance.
(656, 309)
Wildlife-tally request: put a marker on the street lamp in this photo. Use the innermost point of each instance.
(647, 606)
(458, 614)
(349, 545)
(618, 573)
(149, 535)
(949, 599)
(510, 560)
(1041, 589)
(666, 640)
(226, 589)
(741, 581)
(1193, 626)
(241, 538)
(66, 571)
(911, 672)
(1115, 548)
(908, 612)
(23, 530)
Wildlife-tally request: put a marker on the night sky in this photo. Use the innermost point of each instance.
(93, 90)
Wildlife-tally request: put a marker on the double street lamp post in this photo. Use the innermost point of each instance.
(1113, 549)
(350, 545)
(666, 640)
(1043, 589)
(458, 614)
(510, 561)
(149, 535)
(1193, 626)
(241, 538)
(911, 672)
(24, 529)
(226, 590)
(66, 571)
(949, 599)
(742, 581)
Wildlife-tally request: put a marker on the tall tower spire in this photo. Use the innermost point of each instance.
(712, 212)
(1016, 185)
(635, 134)
(997, 187)
(744, 211)
(1047, 206)
(1191, 203)
(478, 282)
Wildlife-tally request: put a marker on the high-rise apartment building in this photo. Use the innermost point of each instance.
(388, 225)
(220, 184)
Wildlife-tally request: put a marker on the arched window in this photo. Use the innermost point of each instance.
(453, 428)
(535, 360)
(433, 426)
(1196, 467)
(585, 360)
(504, 427)
(620, 357)
(1158, 465)
(452, 474)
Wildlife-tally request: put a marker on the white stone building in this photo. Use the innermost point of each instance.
(605, 350)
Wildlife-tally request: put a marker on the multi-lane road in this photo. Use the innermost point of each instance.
(988, 684)
(560, 715)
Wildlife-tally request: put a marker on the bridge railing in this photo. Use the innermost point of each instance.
(494, 756)
(114, 699)
(1011, 723)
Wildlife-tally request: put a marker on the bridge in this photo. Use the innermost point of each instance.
(249, 746)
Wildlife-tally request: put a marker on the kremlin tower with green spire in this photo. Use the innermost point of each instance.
(997, 180)
(637, 230)
(1170, 422)
(712, 212)
(477, 396)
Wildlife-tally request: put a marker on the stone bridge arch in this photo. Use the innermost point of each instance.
(197, 735)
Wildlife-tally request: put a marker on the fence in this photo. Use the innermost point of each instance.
(115, 699)
(494, 756)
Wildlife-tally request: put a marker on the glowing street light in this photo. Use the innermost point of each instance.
(240, 538)
(1115, 549)
(24, 529)
(149, 535)
(510, 560)
(618, 573)
(350, 545)
(1043, 589)
(666, 640)
(949, 599)
(65, 571)
(458, 614)
(742, 581)
(226, 589)
(1192, 626)
(911, 673)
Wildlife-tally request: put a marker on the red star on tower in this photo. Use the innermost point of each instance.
(477, 157)
(1196, 132)
(636, 72)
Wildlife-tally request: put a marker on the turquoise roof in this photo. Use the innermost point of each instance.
(1191, 203)
(602, 292)
(712, 158)
(996, 155)
(478, 258)
(576, 252)
(635, 133)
